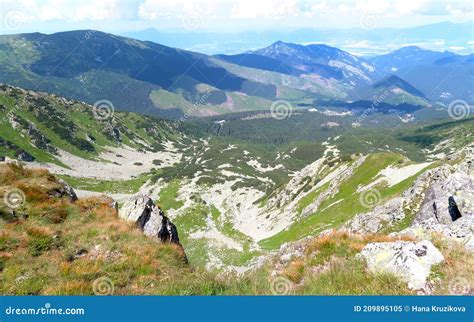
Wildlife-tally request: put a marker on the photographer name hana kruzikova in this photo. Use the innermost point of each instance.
(435, 308)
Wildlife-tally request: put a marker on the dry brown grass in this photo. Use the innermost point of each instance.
(69, 288)
(47, 240)
(54, 211)
(458, 266)
(295, 270)
(355, 242)
(11, 172)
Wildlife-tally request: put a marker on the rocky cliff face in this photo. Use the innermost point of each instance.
(438, 206)
(448, 204)
(441, 200)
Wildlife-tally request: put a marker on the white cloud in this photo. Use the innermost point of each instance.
(234, 14)
(252, 9)
(457, 48)
(98, 10)
(404, 7)
(373, 6)
(50, 10)
(155, 9)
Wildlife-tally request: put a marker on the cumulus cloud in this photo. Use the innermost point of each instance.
(72, 10)
(155, 9)
(255, 13)
(251, 9)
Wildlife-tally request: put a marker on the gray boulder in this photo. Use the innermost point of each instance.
(460, 230)
(441, 200)
(382, 215)
(65, 190)
(149, 218)
(408, 260)
(448, 205)
(449, 197)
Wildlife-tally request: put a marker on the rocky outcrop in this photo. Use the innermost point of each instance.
(64, 190)
(37, 138)
(460, 230)
(449, 196)
(408, 260)
(378, 218)
(448, 205)
(440, 200)
(149, 218)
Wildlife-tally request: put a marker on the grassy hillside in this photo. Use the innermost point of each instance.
(53, 246)
(40, 124)
(345, 203)
(223, 166)
(136, 76)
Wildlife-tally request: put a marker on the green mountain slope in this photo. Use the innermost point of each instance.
(235, 185)
(134, 75)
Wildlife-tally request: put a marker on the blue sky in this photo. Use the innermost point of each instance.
(223, 15)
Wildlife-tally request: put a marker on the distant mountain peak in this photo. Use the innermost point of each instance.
(409, 48)
(279, 43)
(323, 60)
(395, 81)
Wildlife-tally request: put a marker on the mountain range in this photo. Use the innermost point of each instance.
(301, 168)
(252, 196)
(91, 66)
(362, 41)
